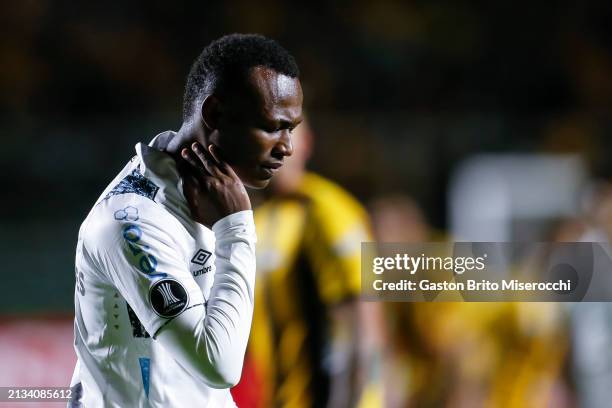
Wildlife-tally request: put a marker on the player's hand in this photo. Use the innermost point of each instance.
(211, 187)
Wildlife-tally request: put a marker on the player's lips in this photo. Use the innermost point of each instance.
(270, 168)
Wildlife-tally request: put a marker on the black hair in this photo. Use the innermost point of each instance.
(228, 60)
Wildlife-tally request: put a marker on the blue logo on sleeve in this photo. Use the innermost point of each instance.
(147, 263)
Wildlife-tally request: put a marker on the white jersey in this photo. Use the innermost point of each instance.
(163, 305)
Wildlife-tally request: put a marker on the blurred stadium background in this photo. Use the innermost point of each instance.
(480, 121)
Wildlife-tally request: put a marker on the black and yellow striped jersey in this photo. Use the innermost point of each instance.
(308, 260)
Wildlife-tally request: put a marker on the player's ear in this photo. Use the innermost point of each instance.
(211, 111)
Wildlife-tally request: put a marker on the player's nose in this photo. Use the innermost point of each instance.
(284, 147)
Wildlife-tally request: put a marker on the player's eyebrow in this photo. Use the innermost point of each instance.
(292, 123)
(289, 124)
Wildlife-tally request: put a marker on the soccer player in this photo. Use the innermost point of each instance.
(165, 260)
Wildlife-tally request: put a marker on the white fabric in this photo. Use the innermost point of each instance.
(139, 248)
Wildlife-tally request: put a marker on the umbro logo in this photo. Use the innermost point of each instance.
(201, 257)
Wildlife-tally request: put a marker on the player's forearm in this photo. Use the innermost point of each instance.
(211, 342)
(230, 306)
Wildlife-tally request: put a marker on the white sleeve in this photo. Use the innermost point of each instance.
(211, 343)
(131, 242)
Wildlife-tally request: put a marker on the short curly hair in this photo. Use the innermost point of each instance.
(228, 60)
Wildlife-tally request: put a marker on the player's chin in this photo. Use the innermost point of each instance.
(256, 179)
(257, 183)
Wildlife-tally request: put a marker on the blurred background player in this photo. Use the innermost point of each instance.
(466, 354)
(313, 344)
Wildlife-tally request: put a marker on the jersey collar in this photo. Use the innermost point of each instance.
(159, 167)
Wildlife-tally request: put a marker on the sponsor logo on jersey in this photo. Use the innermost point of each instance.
(146, 262)
(168, 297)
(200, 258)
